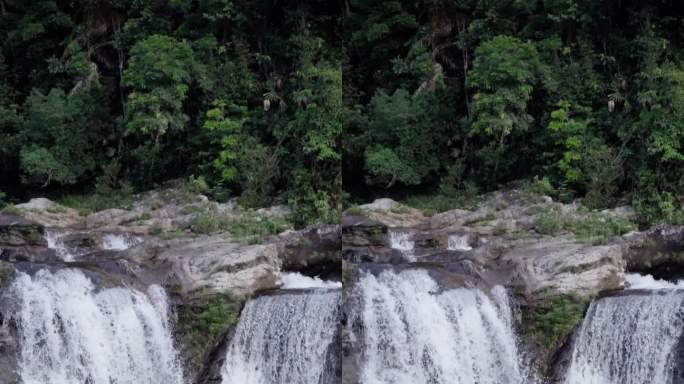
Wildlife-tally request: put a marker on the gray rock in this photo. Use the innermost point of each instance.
(111, 218)
(213, 264)
(17, 231)
(48, 213)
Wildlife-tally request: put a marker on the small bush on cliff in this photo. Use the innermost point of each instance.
(549, 223)
(551, 321)
(201, 324)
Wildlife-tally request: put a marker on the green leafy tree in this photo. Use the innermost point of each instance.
(504, 73)
(159, 74)
(405, 131)
(226, 131)
(59, 143)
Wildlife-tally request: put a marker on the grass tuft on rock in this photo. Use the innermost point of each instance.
(246, 229)
(594, 228)
(434, 204)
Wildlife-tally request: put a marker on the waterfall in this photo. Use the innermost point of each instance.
(119, 242)
(284, 338)
(401, 241)
(74, 333)
(458, 243)
(416, 333)
(629, 339)
(294, 280)
(55, 240)
(637, 281)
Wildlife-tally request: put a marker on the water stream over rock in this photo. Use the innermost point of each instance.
(631, 338)
(287, 337)
(74, 333)
(416, 332)
(401, 241)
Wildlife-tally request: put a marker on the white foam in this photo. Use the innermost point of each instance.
(413, 332)
(638, 281)
(119, 242)
(402, 241)
(295, 280)
(55, 241)
(629, 339)
(284, 338)
(458, 243)
(73, 332)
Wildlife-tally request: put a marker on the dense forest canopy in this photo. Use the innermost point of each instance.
(117, 95)
(457, 96)
(298, 101)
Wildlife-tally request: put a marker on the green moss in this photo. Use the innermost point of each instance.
(57, 209)
(6, 272)
(33, 234)
(349, 273)
(156, 230)
(12, 210)
(202, 323)
(550, 321)
(355, 210)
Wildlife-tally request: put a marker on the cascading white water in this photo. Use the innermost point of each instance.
(401, 241)
(629, 339)
(283, 338)
(73, 333)
(413, 333)
(458, 243)
(119, 242)
(294, 280)
(638, 281)
(54, 238)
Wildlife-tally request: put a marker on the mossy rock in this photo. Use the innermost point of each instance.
(6, 274)
(16, 231)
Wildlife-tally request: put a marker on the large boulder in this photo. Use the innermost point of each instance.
(359, 231)
(558, 265)
(392, 213)
(48, 213)
(212, 265)
(659, 251)
(18, 231)
(313, 251)
(111, 218)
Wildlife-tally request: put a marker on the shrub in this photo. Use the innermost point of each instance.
(549, 223)
(551, 321)
(203, 323)
(657, 208)
(593, 227)
(432, 204)
(87, 204)
(246, 229)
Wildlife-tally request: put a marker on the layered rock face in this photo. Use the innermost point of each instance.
(503, 269)
(506, 242)
(152, 244)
